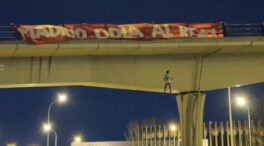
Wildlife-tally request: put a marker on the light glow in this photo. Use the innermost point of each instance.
(46, 127)
(241, 101)
(62, 98)
(11, 144)
(77, 139)
(173, 127)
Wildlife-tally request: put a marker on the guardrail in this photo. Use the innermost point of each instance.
(8, 33)
(249, 29)
(230, 30)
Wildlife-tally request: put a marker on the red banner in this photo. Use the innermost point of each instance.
(39, 34)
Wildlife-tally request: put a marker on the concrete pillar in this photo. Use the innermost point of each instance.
(191, 107)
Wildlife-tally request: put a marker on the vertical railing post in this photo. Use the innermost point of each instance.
(234, 133)
(178, 136)
(216, 133)
(253, 137)
(138, 135)
(227, 133)
(155, 135)
(169, 135)
(246, 132)
(222, 132)
(150, 131)
(164, 135)
(259, 134)
(146, 129)
(142, 135)
(174, 138)
(210, 134)
(160, 135)
(240, 132)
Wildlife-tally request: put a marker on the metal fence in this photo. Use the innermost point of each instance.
(214, 133)
(8, 33)
(230, 30)
(160, 135)
(249, 29)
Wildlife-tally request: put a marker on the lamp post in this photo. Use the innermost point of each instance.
(242, 102)
(61, 98)
(230, 116)
(47, 128)
(56, 137)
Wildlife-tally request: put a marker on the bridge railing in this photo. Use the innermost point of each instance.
(230, 30)
(248, 29)
(8, 33)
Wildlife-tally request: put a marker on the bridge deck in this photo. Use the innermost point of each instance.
(88, 84)
(125, 47)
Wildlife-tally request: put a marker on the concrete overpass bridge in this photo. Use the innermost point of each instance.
(223, 62)
(195, 64)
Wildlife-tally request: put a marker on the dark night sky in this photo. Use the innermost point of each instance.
(129, 11)
(102, 114)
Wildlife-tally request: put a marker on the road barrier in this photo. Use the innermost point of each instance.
(214, 133)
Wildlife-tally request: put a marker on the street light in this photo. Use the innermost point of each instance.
(242, 102)
(173, 127)
(230, 114)
(11, 144)
(78, 138)
(61, 98)
(47, 128)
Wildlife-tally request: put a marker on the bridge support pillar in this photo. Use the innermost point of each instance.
(191, 107)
